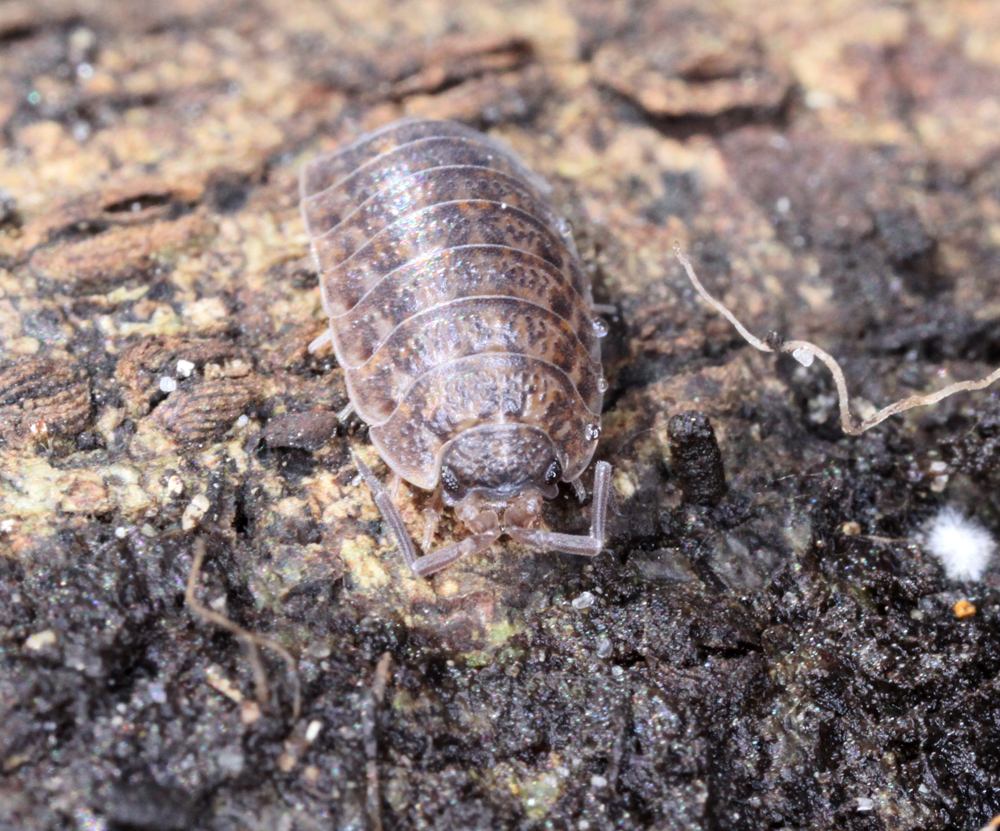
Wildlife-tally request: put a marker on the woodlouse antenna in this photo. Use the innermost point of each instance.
(584, 546)
(803, 351)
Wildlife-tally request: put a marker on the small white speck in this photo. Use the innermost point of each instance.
(600, 327)
(121, 532)
(148, 530)
(604, 647)
(231, 760)
(85, 70)
(242, 421)
(592, 432)
(312, 731)
(167, 384)
(803, 356)
(40, 640)
(938, 467)
(87, 820)
(583, 825)
(81, 131)
(864, 804)
(195, 510)
(584, 601)
(157, 693)
(6, 526)
(185, 368)
(783, 205)
(963, 546)
(818, 100)
(319, 650)
(598, 782)
(617, 671)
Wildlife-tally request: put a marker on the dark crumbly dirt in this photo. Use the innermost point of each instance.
(783, 656)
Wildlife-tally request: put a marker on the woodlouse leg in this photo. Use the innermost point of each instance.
(432, 516)
(485, 526)
(390, 513)
(604, 308)
(589, 546)
(486, 531)
(321, 341)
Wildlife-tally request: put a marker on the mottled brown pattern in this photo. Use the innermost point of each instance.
(501, 459)
(456, 299)
(484, 389)
(325, 171)
(423, 154)
(407, 194)
(446, 225)
(468, 326)
(449, 274)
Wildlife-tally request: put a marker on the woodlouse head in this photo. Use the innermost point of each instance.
(498, 462)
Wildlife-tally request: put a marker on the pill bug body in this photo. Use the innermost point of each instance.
(465, 326)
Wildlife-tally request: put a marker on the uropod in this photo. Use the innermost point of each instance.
(466, 329)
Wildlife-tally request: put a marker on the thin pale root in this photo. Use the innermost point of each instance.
(252, 640)
(801, 350)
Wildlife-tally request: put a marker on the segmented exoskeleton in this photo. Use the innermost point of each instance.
(466, 329)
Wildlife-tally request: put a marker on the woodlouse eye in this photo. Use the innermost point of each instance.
(449, 479)
(553, 473)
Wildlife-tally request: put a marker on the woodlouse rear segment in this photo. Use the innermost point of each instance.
(465, 326)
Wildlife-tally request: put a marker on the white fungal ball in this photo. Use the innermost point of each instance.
(963, 546)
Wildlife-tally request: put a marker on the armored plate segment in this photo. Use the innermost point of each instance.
(458, 306)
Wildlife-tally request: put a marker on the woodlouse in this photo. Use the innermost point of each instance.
(466, 329)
